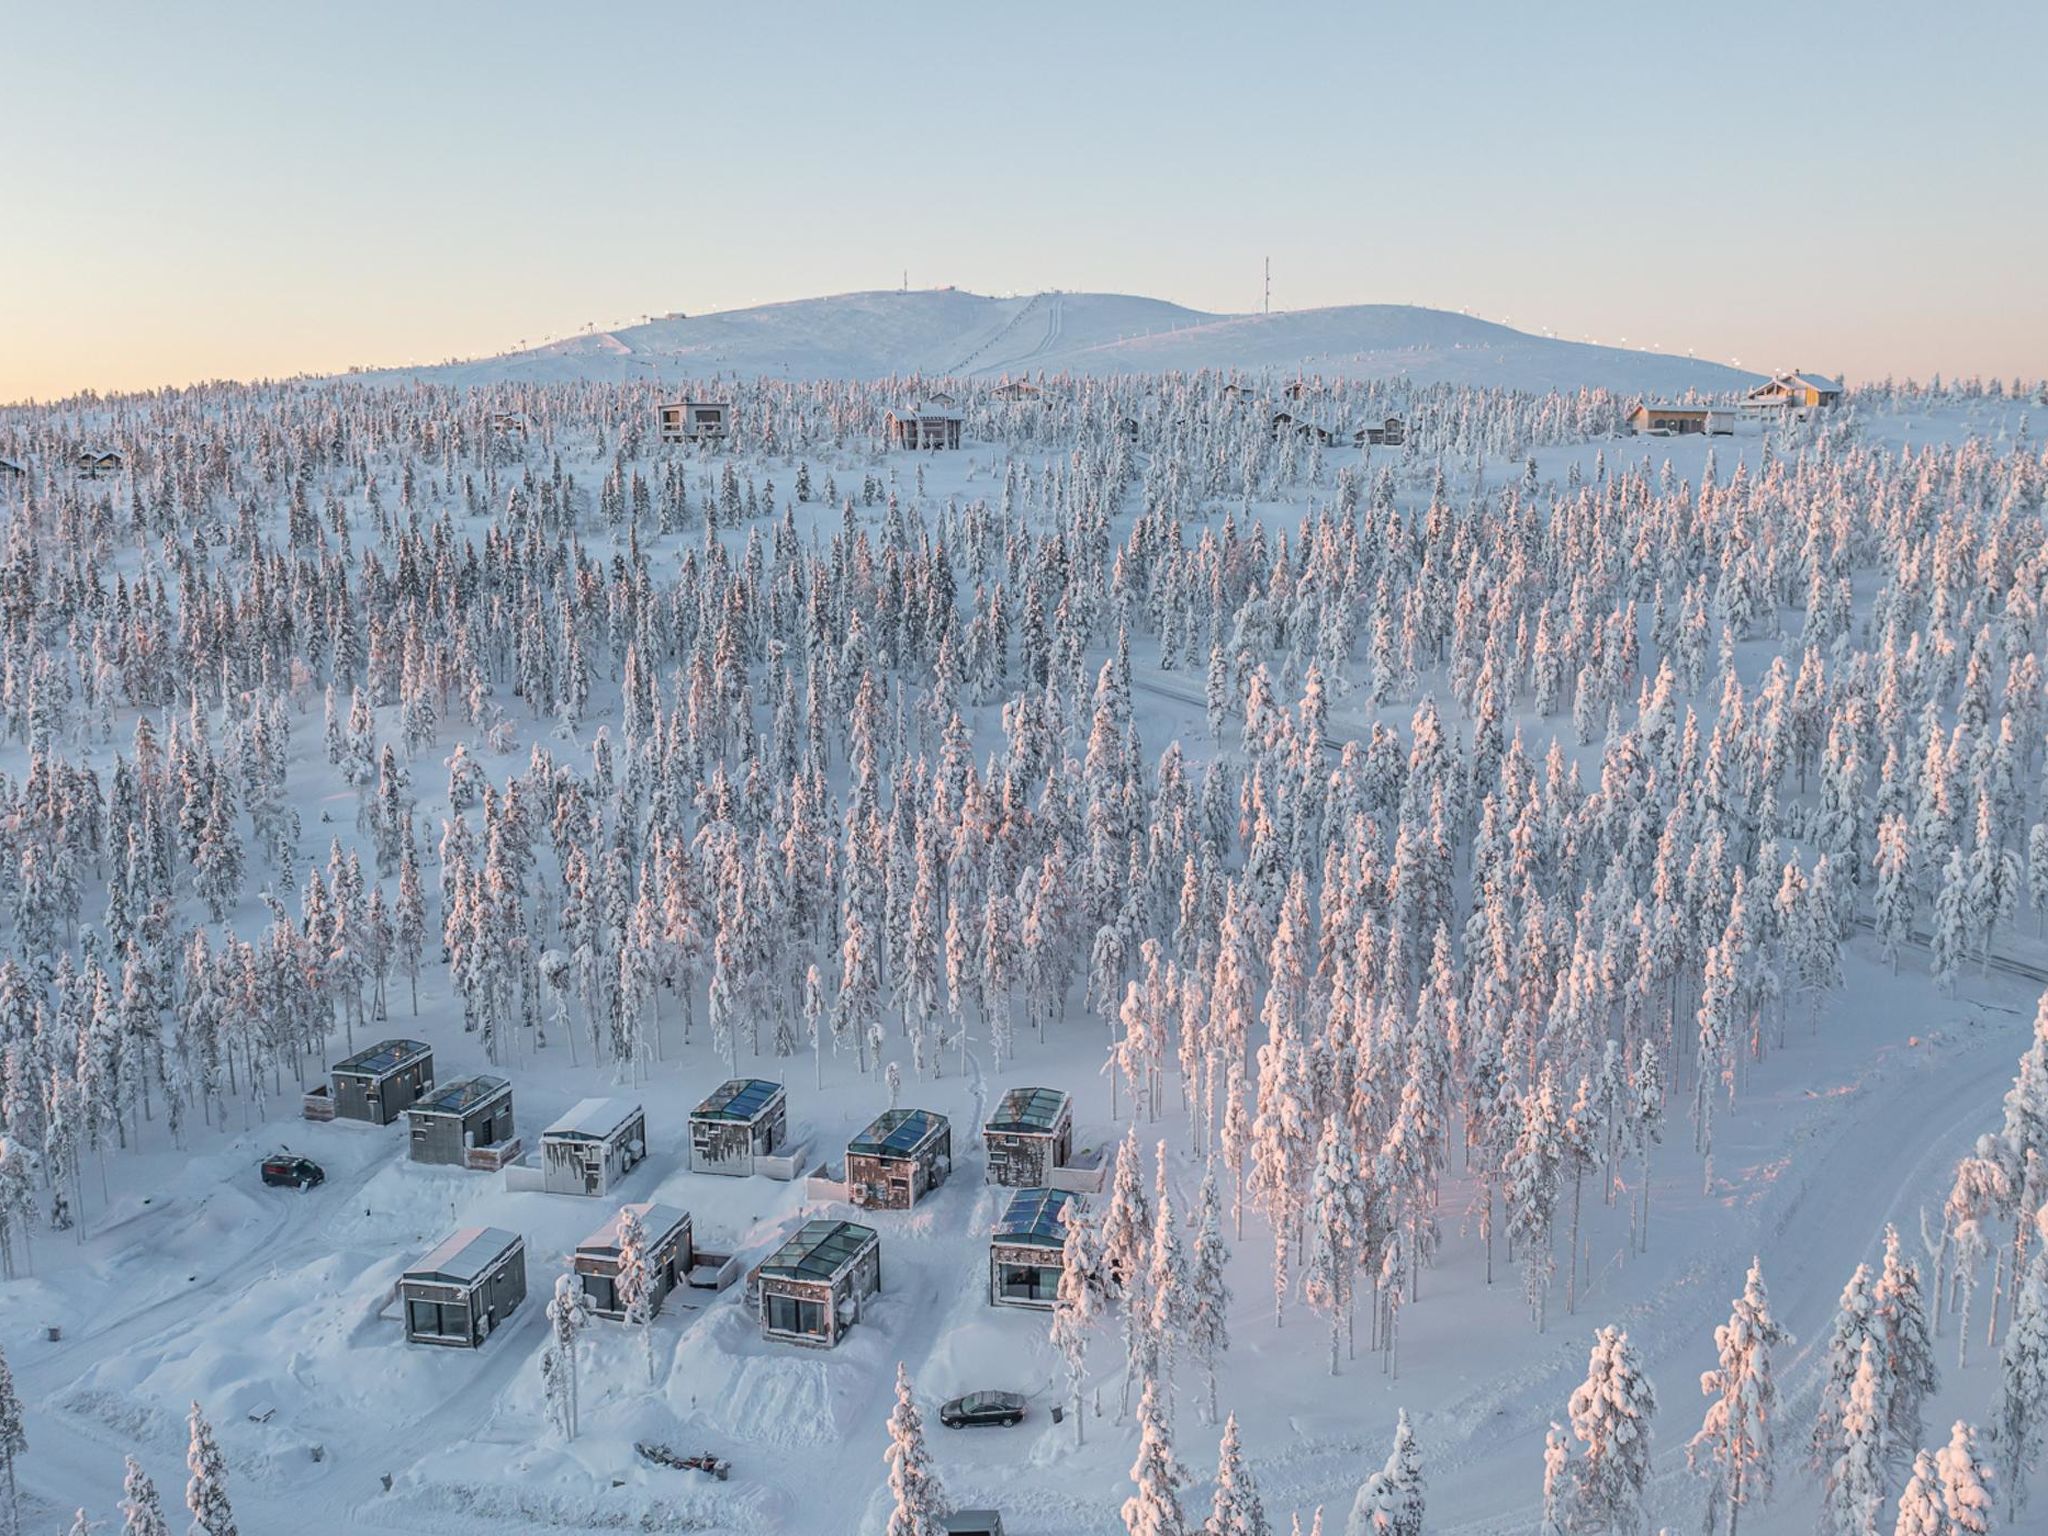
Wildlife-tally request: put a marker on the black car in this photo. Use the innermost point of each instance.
(294, 1172)
(1001, 1408)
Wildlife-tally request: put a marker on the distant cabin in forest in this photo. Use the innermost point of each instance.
(690, 421)
(1668, 420)
(377, 1084)
(898, 1160)
(592, 1147)
(1026, 1256)
(1286, 422)
(666, 1242)
(1018, 389)
(1030, 1134)
(96, 463)
(744, 1118)
(465, 1124)
(1391, 433)
(1795, 390)
(12, 470)
(465, 1288)
(810, 1290)
(930, 425)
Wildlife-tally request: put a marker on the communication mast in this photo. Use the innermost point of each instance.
(1269, 287)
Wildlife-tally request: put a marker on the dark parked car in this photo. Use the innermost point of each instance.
(1004, 1408)
(296, 1172)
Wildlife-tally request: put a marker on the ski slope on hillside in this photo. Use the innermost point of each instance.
(947, 332)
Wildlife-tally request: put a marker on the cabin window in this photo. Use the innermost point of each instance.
(1028, 1282)
(791, 1314)
(438, 1320)
(602, 1292)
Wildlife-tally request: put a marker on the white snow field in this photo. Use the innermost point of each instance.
(709, 752)
(952, 333)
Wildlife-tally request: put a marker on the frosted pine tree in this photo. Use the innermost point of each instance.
(636, 1282)
(1170, 1287)
(2023, 1397)
(1337, 1234)
(1855, 1491)
(13, 1440)
(206, 1494)
(920, 1502)
(1559, 1472)
(1967, 1483)
(1733, 1449)
(1208, 1324)
(1611, 1413)
(1235, 1509)
(1390, 1502)
(567, 1316)
(1153, 1509)
(1076, 1305)
(1900, 1307)
(1855, 1322)
(1952, 926)
(142, 1512)
(1922, 1509)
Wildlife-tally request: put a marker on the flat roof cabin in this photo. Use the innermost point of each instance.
(1026, 1255)
(930, 425)
(1030, 1134)
(669, 1248)
(382, 1081)
(1658, 416)
(456, 1118)
(898, 1160)
(744, 1118)
(593, 1146)
(461, 1291)
(686, 421)
(809, 1291)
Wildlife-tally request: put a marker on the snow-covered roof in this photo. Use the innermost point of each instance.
(597, 1119)
(462, 1095)
(1816, 381)
(384, 1057)
(660, 1223)
(465, 1256)
(927, 412)
(13, 466)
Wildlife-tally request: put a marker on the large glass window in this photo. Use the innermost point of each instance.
(789, 1314)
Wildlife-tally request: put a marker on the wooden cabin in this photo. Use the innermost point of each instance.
(97, 463)
(1390, 433)
(1030, 1134)
(1026, 1256)
(1795, 390)
(376, 1085)
(930, 425)
(461, 1291)
(465, 1124)
(666, 1240)
(744, 1118)
(593, 1146)
(1666, 420)
(898, 1160)
(693, 421)
(810, 1290)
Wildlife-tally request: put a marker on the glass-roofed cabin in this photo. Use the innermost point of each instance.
(898, 1160)
(1025, 1258)
(1030, 1134)
(377, 1084)
(810, 1290)
(745, 1118)
(456, 1119)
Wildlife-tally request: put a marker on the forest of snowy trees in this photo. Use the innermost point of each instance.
(1531, 813)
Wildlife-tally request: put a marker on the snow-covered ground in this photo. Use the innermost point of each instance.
(188, 1281)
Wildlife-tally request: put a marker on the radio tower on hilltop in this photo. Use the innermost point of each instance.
(1268, 309)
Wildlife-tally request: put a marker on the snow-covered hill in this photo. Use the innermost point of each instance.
(950, 332)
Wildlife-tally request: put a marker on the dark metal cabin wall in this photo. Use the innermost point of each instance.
(598, 1274)
(381, 1098)
(448, 1138)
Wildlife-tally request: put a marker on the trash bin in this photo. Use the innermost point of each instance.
(1059, 1414)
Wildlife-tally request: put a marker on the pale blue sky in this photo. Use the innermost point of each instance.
(198, 190)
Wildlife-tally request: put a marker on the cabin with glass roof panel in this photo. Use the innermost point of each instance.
(1030, 1134)
(744, 1118)
(1026, 1256)
(811, 1289)
(897, 1161)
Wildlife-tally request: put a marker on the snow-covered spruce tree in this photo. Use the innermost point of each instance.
(1967, 1483)
(1169, 1291)
(142, 1512)
(1076, 1305)
(1390, 1502)
(1559, 1473)
(1234, 1510)
(567, 1317)
(1207, 1327)
(1900, 1307)
(1857, 1486)
(206, 1493)
(1337, 1234)
(1922, 1509)
(920, 1507)
(1855, 1322)
(1153, 1509)
(1734, 1449)
(1611, 1413)
(13, 1441)
(636, 1282)
(2022, 1415)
